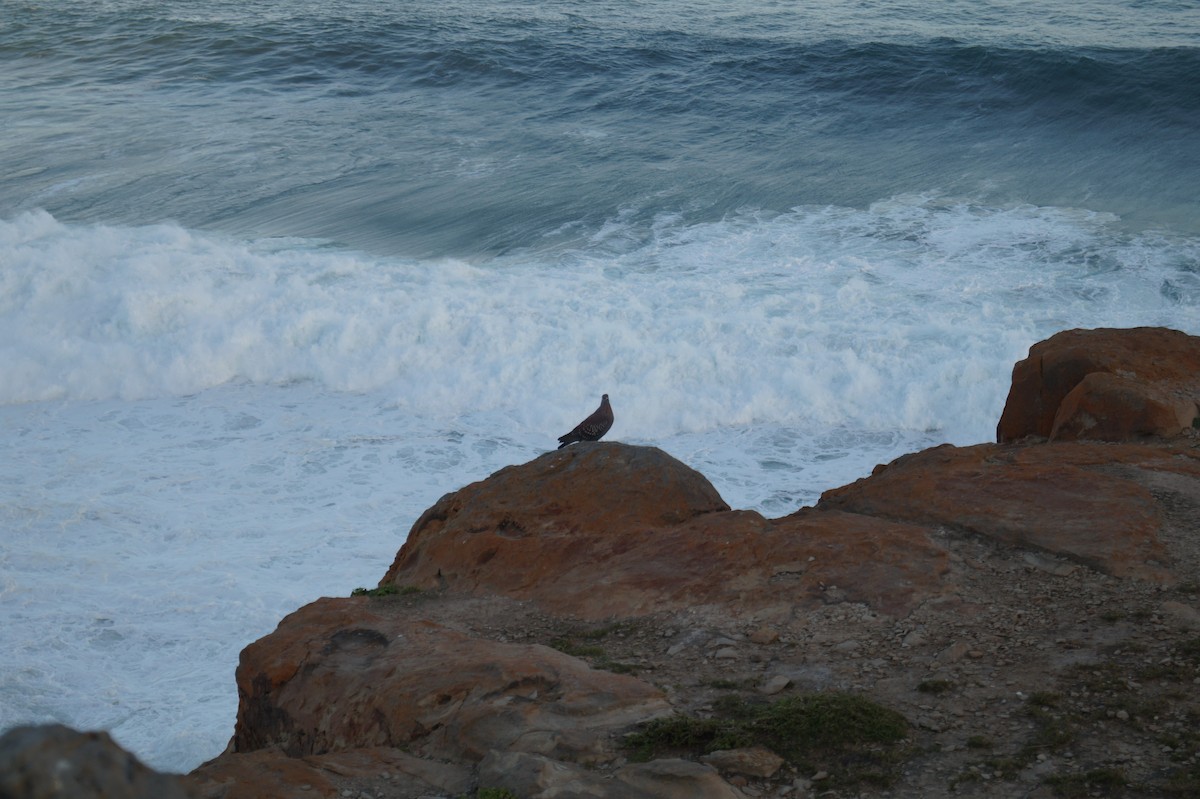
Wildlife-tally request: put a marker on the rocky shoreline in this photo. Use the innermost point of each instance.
(1010, 619)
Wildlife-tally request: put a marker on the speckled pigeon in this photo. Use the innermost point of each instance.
(592, 428)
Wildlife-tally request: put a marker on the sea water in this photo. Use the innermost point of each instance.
(275, 276)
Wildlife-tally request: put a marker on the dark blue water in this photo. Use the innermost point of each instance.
(474, 129)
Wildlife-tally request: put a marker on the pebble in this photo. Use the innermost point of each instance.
(953, 652)
(775, 684)
(1049, 565)
(728, 653)
(764, 635)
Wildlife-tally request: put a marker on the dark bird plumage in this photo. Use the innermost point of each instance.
(592, 428)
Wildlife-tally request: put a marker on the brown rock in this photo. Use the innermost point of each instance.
(1181, 614)
(754, 761)
(1059, 498)
(263, 773)
(676, 779)
(1157, 393)
(1083, 501)
(775, 684)
(764, 635)
(601, 530)
(1108, 407)
(53, 761)
(339, 674)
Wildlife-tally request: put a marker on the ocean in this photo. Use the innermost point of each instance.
(275, 276)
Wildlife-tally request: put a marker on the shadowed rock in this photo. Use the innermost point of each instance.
(54, 762)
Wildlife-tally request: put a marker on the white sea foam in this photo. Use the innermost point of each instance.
(814, 314)
(202, 434)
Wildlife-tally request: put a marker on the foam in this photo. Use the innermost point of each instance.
(203, 434)
(147, 542)
(812, 314)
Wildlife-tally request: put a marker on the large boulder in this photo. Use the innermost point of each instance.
(1104, 385)
(343, 674)
(603, 530)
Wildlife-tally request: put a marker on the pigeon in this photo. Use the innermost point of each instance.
(592, 428)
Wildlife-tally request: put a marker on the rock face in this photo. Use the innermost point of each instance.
(1060, 498)
(55, 762)
(1104, 385)
(606, 529)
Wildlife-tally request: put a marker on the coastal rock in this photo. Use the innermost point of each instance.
(1110, 407)
(1106, 385)
(1093, 503)
(942, 574)
(53, 761)
(341, 674)
(600, 530)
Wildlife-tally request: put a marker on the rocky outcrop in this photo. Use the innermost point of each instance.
(1026, 610)
(1104, 385)
(610, 530)
(55, 762)
(1092, 503)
